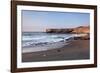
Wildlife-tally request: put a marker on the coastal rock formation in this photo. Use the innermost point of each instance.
(77, 30)
(59, 30)
(81, 29)
(86, 37)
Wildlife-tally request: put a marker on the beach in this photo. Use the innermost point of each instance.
(54, 36)
(75, 50)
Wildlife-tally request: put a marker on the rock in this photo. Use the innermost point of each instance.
(77, 30)
(59, 30)
(81, 29)
(87, 37)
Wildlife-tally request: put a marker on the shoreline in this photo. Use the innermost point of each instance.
(44, 46)
(76, 50)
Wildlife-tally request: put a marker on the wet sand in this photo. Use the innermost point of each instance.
(76, 50)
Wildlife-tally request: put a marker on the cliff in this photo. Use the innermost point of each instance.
(81, 29)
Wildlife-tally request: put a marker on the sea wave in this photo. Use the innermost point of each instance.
(36, 40)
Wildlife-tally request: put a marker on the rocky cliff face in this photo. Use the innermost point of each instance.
(81, 29)
(59, 30)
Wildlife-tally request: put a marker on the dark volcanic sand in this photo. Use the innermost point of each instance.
(76, 50)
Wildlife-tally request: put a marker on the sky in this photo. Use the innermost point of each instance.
(39, 21)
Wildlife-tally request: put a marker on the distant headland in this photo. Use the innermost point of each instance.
(76, 30)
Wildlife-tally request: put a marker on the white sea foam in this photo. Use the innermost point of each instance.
(40, 42)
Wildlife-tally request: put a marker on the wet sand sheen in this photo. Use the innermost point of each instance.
(76, 50)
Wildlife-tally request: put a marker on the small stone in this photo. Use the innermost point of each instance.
(58, 50)
(44, 54)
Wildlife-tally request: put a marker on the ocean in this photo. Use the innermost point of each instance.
(41, 41)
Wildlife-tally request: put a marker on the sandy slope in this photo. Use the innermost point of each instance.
(77, 49)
